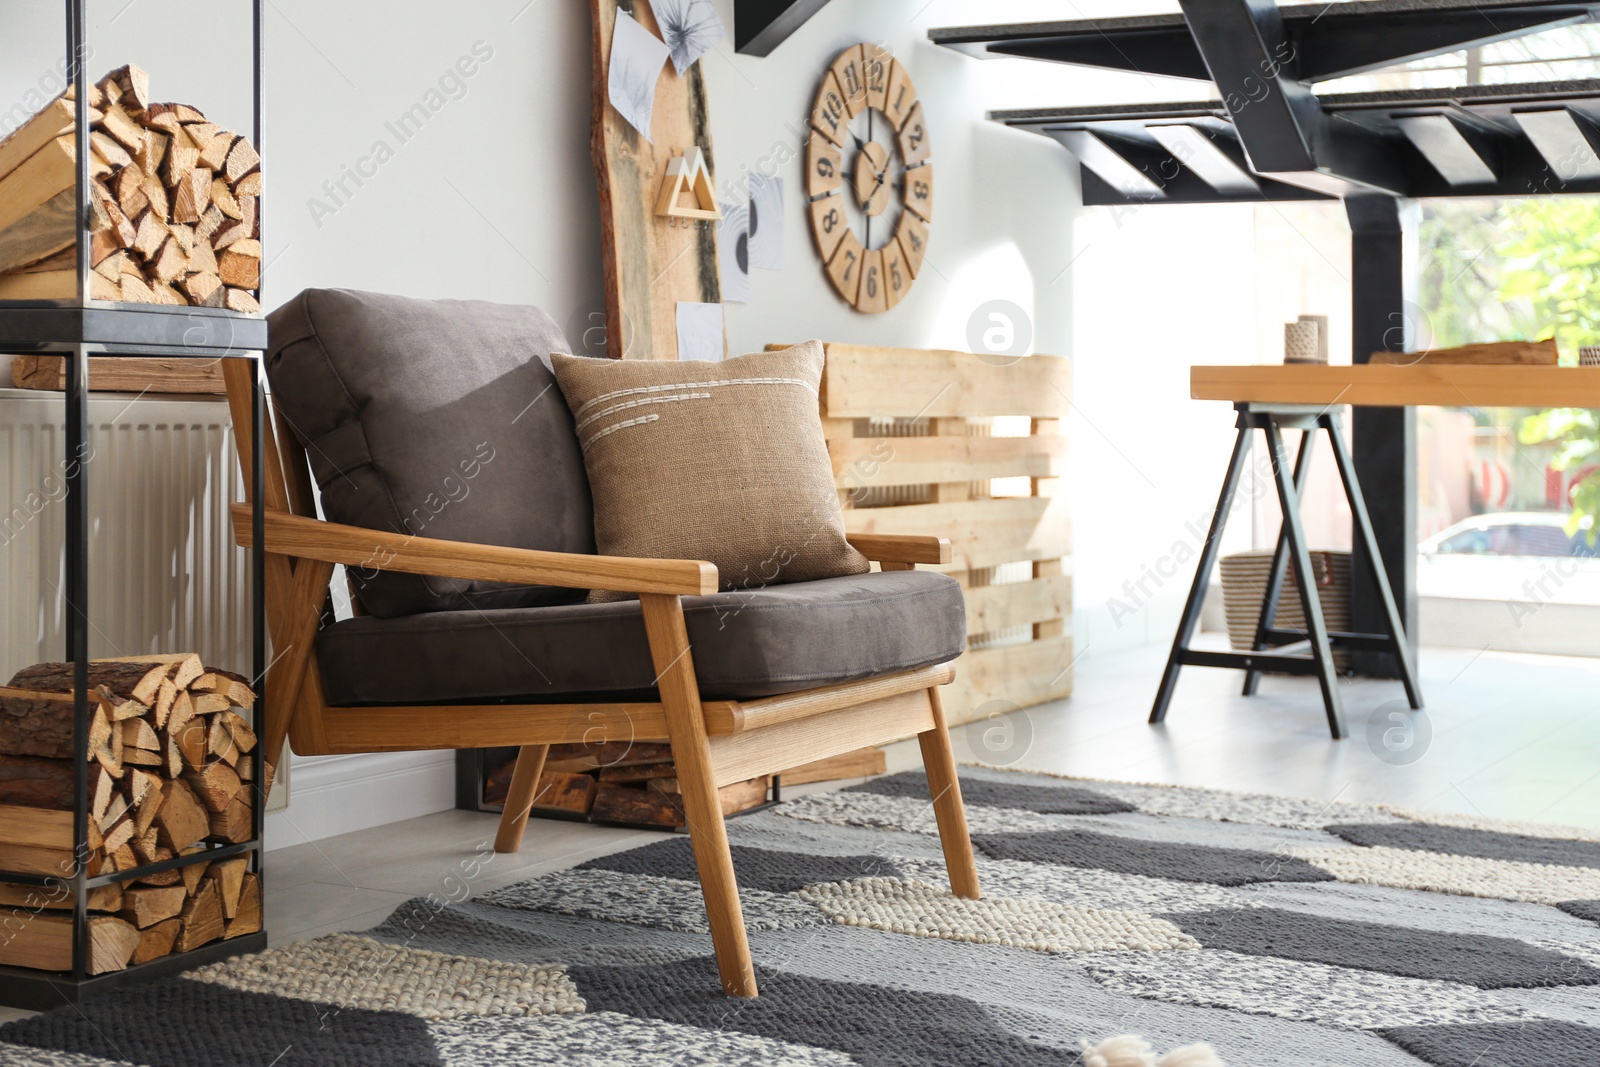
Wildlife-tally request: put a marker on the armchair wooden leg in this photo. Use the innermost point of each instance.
(940, 762)
(524, 784)
(686, 729)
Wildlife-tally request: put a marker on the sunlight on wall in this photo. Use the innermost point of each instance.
(997, 273)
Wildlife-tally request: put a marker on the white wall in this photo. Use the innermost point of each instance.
(495, 197)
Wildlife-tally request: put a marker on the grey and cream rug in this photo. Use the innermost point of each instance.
(1277, 931)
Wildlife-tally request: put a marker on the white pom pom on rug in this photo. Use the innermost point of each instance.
(1130, 1050)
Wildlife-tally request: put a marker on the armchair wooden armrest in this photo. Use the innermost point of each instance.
(356, 546)
(901, 548)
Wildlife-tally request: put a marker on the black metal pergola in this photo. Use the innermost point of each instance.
(1269, 137)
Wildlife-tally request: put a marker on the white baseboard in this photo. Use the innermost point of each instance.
(332, 795)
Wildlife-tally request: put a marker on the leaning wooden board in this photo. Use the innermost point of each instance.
(910, 434)
(652, 263)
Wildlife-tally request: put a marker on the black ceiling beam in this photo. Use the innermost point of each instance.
(1535, 139)
(759, 26)
(1278, 118)
(1328, 41)
(1342, 42)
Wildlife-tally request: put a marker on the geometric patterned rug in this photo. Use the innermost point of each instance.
(1276, 931)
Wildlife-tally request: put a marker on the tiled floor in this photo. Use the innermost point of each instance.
(1512, 737)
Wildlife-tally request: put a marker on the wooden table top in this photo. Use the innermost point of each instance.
(1388, 386)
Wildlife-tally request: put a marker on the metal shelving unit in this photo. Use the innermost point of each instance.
(78, 330)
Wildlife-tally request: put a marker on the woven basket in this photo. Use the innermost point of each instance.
(1244, 588)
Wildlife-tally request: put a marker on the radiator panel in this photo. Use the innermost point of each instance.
(164, 575)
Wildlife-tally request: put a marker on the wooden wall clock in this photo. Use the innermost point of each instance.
(869, 177)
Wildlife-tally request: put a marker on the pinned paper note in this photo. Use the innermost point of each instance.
(766, 221)
(733, 245)
(689, 27)
(637, 56)
(700, 332)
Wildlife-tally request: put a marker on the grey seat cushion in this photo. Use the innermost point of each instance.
(745, 644)
(437, 418)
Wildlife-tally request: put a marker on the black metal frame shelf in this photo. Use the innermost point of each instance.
(78, 330)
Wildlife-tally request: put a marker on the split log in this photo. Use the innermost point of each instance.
(57, 285)
(247, 918)
(565, 792)
(239, 300)
(215, 784)
(144, 907)
(238, 270)
(637, 807)
(194, 872)
(157, 941)
(235, 823)
(201, 917)
(56, 119)
(45, 942)
(171, 877)
(34, 723)
(138, 733)
(41, 176)
(182, 820)
(658, 803)
(147, 846)
(48, 229)
(229, 876)
(638, 772)
(105, 898)
(209, 703)
(191, 739)
(36, 782)
(126, 680)
(580, 756)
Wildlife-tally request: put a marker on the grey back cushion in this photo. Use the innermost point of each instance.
(435, 418)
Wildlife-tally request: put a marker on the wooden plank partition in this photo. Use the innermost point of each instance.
(969, 448)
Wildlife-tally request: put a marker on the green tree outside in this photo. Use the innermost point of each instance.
(1510, 270)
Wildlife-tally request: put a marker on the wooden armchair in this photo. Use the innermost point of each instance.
(714, 741)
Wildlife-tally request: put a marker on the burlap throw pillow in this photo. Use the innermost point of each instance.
(723, 462)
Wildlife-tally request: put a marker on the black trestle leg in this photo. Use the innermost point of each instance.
(1202, 575)
(1280, 563)
(1305, 581)
(1400, 646)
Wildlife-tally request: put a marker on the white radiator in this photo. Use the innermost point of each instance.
(164, 574)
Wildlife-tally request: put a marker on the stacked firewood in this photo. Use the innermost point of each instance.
(172, 205)
(636, 783)
(168, 771)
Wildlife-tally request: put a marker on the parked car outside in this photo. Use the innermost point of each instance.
(1522, 556)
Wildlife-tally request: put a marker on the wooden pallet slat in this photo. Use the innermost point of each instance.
(911, 437)
(868, 382)
(991, 608)
(1020, 675)
(885, 461)
(983, 533)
